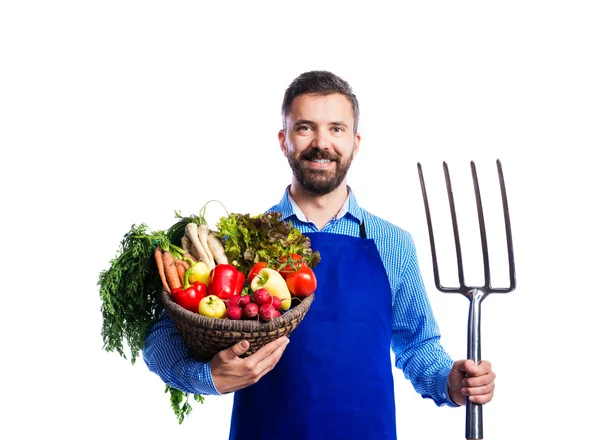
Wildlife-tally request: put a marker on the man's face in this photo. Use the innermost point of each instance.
(319, 141)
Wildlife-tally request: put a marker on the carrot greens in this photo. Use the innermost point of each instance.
(130, 291)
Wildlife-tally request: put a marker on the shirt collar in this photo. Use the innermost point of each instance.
(287, 207)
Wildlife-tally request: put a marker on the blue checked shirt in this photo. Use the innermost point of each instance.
(415, 333)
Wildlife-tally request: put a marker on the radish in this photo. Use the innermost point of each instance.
(234, 300)
(262, 296)
(250, 311)
(244, 300)
(234, 312)
(276, 303)
(267, 312)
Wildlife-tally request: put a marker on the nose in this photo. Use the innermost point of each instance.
(321, 139)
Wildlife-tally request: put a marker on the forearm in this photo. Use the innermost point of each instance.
(427, 366)
(416, 335)
(166, 355)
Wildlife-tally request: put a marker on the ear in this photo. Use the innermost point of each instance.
(281, 137)
(356, 143)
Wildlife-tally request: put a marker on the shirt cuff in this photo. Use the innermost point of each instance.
(204, 384)
(442, 388)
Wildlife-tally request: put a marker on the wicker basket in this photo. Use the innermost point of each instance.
(206, 336)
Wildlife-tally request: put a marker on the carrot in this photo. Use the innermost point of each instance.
(171, 271)
(217, 249)
(158, 257)
(203, 232)
(181, 268)
(191, 230)
(186, 265)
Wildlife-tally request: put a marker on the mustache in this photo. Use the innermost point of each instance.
(316, 154)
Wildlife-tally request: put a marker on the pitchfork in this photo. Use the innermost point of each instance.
(474, 420)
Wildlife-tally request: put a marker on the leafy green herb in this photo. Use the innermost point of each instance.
(180, 402)
(130, 290)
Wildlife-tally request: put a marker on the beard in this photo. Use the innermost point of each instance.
(318, 181)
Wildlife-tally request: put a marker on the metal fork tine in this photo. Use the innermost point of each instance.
(436, 274)
(509, 242)
(484, 246)
(459, 262)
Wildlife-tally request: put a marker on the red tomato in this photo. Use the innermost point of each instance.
(293, 263)
(302, 282)
(255, 269)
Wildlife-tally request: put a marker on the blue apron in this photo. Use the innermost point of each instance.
(334, 380)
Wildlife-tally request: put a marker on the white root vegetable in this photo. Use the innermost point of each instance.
(185, 244)
(203, 232)
(189, 251)
(191, 230)
(217, 249)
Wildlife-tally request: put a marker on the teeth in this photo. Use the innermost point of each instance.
(322, 160)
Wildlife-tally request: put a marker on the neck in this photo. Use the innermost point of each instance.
(319, 209)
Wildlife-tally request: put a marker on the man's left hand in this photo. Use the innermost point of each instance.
(470, 381)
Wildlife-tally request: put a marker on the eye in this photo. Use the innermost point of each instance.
(337, 129)
(302, 128)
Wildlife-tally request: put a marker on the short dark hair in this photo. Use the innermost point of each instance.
(319, 82)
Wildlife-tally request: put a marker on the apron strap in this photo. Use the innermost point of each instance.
(363, 231)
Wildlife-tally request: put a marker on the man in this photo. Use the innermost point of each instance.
(333, 379)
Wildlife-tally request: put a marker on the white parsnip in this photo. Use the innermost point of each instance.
(216, 248)
(189, 251)
(203, 232)
(191, 230)
(185, 244)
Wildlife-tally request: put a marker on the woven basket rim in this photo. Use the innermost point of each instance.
(242, 325)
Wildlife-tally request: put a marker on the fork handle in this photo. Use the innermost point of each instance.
(474, 419)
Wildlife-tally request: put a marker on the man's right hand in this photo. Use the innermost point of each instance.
(231, 373)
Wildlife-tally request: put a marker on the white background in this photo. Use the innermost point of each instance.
(120, 112)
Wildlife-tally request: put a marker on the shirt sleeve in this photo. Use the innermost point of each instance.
(415, 333)
(166, 354)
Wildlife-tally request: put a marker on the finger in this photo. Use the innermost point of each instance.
(478, 381)
(235, 351)
(461, 367)
(479, 394)
(267, 363)
(470, 368)
(484, 367)
(269, 348)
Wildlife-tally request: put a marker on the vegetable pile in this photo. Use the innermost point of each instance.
(250, 267)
